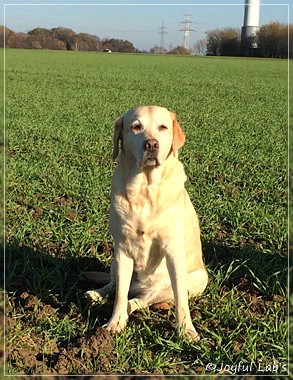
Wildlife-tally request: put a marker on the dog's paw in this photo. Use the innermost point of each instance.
(116, 325)
(191, 335)
(93, 296)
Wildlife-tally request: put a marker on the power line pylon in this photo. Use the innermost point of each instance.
(186, 29)
(162, 32)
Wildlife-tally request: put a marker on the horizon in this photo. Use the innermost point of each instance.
(139, 23)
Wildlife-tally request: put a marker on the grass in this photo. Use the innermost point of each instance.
(60, 109)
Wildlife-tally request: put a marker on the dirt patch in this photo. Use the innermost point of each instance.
(36, 352)
(96, 347)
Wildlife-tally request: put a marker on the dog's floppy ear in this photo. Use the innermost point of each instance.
(178, 135)
(117, 136)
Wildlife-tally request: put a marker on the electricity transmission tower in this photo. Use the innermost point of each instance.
(186, 29)
(162, 32)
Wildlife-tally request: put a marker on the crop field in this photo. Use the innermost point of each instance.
(60, 112)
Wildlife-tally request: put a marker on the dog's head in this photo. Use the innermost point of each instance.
(148, 135)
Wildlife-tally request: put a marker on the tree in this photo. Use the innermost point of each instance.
(17, 40)
(272, 40)
(200, 47)
(230, 42)
(179, 50)
(122, 46)
(87, 42)
(213, 42)
(8, 33)
(62, 39)
(223, 42)
(68, 36)
(39, 32)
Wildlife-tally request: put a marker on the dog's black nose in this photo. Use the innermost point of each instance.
(151, 145)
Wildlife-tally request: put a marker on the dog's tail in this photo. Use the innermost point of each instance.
(97, 277)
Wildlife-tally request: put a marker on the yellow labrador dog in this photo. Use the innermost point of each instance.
(158, 255)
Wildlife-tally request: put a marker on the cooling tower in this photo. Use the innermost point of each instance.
(251, 20)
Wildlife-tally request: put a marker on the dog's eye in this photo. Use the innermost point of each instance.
(163, 128)
(136, 127)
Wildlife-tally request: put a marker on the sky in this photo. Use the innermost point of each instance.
(138, 21)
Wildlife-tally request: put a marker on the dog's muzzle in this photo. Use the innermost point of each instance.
(150, 153)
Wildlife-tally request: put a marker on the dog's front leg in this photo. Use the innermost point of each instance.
(124, 269)
(178, 274)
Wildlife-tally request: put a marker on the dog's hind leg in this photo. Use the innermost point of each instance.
(153, 296)
(97, 277)
(197, 282)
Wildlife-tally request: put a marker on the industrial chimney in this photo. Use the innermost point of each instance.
(250, 23)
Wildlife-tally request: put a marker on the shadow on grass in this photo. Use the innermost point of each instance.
(56, 279)
(247, 268)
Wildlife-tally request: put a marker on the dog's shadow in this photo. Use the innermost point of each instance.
(56, 281)
(59, 281)
(248, 268)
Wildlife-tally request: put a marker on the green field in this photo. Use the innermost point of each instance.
(60, 112)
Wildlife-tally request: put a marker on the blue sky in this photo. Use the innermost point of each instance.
(136, 21)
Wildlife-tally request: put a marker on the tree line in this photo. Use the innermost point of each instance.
(62, 39)
(273, 40)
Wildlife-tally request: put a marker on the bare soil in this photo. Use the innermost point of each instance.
(73, 354)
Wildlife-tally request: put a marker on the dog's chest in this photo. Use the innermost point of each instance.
(140, 241)
(139, 218)
(138, 206)
(137, 229)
